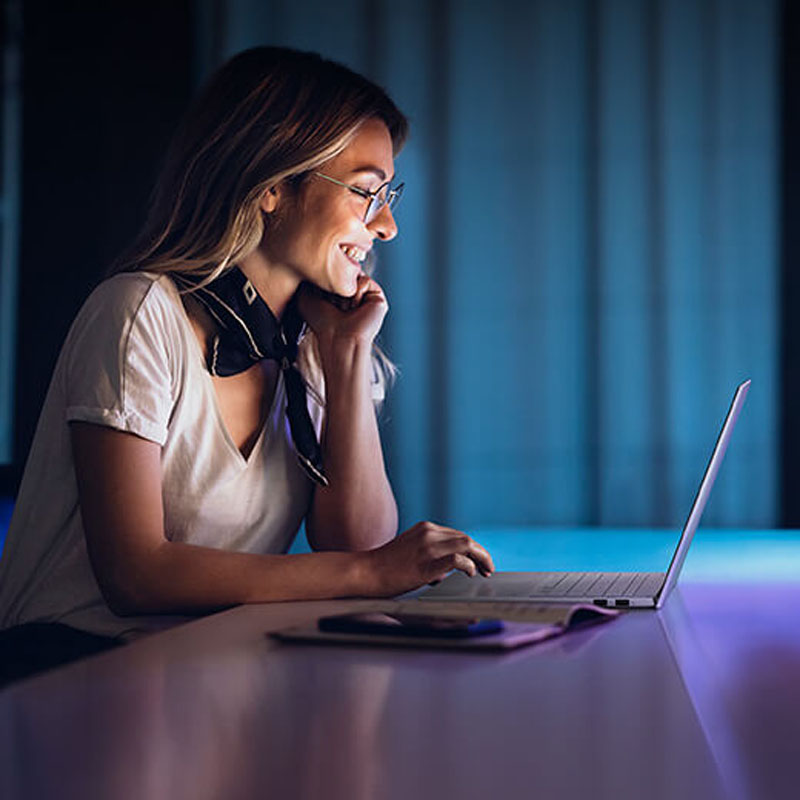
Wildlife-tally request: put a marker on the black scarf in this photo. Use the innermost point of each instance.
(247, 333)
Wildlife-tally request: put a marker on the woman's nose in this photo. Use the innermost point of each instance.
(383, 226)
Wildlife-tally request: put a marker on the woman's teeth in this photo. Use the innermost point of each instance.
(354, 253)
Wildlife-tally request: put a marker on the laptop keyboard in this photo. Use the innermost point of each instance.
(592, 584)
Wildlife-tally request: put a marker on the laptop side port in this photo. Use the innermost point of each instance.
(601, 601)
(622, 602)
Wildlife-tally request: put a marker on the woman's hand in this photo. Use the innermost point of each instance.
(423, 554)
(331, 317)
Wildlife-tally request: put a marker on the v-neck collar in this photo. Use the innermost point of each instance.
(222, 427)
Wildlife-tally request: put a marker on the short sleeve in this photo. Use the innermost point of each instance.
(118, 368)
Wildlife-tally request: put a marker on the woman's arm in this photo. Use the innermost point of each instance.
(357, 511)
(140, 571)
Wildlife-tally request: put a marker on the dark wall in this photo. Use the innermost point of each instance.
(104, 85)
(790, 265)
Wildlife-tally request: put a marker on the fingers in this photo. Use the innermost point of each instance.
(362, 286)
(447, 549)
(367, 291)
(482, 558)
(462, 544)
(459, 561)
(467, 554)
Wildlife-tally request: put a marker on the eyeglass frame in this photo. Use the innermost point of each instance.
(375, 206)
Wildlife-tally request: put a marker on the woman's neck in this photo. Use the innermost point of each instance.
(274, 283)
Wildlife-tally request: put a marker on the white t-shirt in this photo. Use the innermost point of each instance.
(132, 362)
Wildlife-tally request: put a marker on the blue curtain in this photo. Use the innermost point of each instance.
(588, 256)
(10, 179)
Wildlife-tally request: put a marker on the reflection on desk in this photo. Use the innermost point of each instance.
(738, 652)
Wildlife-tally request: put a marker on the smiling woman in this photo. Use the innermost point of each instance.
(219, 389)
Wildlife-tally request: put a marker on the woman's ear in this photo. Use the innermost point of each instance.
(270, 199)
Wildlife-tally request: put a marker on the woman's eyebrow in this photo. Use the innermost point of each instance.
(375, 170)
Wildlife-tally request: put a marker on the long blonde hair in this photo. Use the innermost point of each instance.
(268, 115)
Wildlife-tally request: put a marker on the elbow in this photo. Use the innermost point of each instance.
(123, 600)
(384, 530)
(121, 608)
(127, 592)
(133, 582)
(383, 535)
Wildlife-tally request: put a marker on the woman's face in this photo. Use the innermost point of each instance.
(318, 233)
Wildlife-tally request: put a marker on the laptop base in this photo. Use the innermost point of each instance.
(610, 589)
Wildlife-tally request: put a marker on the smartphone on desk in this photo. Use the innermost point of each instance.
(419, 630)
(379, 624)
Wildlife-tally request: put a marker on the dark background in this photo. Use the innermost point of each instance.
(104, 86)
(790, 258)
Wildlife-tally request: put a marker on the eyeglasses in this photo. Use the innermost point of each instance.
(382, 196)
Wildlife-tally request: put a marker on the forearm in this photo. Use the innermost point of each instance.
(357, 511)
(184, 578)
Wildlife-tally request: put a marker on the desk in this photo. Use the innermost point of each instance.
(700, 700)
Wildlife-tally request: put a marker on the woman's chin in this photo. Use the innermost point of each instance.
(346, 287)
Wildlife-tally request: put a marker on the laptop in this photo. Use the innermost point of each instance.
(613, 589)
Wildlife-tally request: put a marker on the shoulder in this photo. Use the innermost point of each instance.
(134, 312)
(129, 298)
(128, 292)
(124, 359)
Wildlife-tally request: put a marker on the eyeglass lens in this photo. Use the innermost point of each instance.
(385, 196)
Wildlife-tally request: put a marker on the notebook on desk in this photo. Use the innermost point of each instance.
(617, 589)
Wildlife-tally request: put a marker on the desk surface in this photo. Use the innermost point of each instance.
(700, 700)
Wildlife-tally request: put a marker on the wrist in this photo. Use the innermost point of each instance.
(365, 574)
(344, 355)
